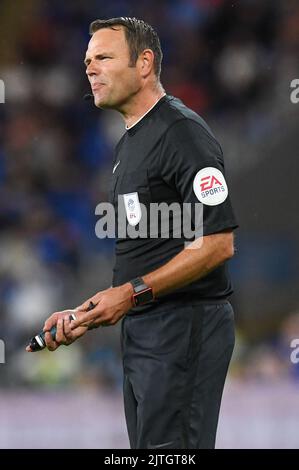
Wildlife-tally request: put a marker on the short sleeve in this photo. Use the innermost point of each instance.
(191, 162)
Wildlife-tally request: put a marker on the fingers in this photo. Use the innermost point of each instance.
(60, 336)
(92, 302)
(67, 330)
(64, 333)
(65, 327)
(50, 343)
(84, 319)
(87, 318)
(87, 306)
(50, 322)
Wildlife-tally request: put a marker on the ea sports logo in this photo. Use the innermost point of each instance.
(209, 182)
(210, 186)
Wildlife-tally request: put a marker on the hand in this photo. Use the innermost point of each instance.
(65, 334)
(110, 306)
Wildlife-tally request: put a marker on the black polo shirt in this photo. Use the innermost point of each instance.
(169, 156)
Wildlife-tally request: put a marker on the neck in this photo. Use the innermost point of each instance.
(141, 104)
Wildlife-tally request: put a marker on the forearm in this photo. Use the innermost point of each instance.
(191, 264)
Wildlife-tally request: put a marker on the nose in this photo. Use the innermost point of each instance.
(91, 69)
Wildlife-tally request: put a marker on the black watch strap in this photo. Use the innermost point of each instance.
(138, 285)
(142, 293)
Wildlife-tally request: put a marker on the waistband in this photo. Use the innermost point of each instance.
(175, 299)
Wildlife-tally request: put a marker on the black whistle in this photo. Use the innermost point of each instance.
(37, 343)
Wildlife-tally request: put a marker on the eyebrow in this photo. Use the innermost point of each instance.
(97, 56)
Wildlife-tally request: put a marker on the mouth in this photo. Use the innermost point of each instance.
(97, 87)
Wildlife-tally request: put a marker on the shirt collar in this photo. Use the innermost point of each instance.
(131, 127)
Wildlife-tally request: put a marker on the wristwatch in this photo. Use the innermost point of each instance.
(142, 293)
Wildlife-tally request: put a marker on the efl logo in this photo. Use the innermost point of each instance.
(210, 186)
(133, 208)
(2, 92)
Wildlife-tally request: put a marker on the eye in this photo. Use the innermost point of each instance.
(103, 57)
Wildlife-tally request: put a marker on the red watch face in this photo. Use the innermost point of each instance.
(143, 297)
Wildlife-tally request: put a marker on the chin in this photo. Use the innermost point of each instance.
(102, 103)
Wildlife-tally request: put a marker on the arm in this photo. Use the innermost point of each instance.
(193, 263)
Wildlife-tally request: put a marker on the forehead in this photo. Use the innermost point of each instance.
(104, 40)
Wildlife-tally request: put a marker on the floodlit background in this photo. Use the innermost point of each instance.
(232, 62)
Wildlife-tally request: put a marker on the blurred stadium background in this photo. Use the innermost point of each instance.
(231, 61)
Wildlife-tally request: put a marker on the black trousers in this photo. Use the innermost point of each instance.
(175, 362)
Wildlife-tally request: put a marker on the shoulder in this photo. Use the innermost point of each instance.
(189, 141)
(183, 123)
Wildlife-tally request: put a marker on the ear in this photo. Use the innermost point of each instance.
(146, 62)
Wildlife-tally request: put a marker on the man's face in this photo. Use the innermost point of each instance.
(107, 60)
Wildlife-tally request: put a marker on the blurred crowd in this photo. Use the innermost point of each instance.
(223, 58)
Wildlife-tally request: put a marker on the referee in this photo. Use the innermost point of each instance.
(177, 328)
